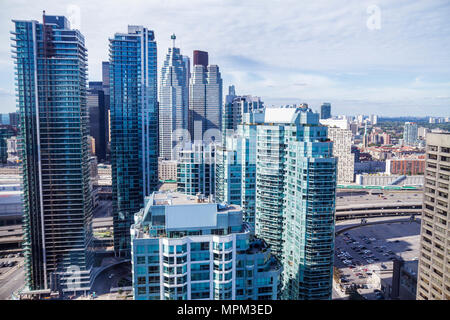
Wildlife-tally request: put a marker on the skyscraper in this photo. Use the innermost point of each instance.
(51, 62)
(325, 110)
(98, 118)
(190, 248)
(173, 104)
(234, 109)
(433, 281)
(295, 197)
(236, 167)
(134, 127)
(196, 169)
(410, 133)
(205, 99)
(200, 58)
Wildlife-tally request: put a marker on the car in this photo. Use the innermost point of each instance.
(383, 266)
(376, 259)
(377, 290)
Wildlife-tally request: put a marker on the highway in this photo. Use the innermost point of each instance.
(12, 282)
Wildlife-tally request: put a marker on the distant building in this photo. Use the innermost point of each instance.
(98, 118)
(196, 169)
(410, 134)
(188, 248)
(234, 109)
(339, 123)
(173, 103)
(434, 274)
(325, 110)
(205, 99)
(342, 150)
(405, 166)
(167, 170)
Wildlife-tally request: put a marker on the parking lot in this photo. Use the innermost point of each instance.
(364, 255)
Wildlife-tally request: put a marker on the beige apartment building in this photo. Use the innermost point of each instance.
(342, 149)
(433, 281)
(167, 170)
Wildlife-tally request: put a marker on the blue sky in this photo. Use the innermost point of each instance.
(286, 51)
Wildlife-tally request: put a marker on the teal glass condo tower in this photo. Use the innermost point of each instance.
(190, 248)
(134, 127)
(308, 210)
(51, 63)
(282, 158)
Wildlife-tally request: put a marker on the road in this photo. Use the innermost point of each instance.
(103, 284)
(13, 282)
(104, 209)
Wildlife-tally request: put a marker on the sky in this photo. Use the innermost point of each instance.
(390, 58)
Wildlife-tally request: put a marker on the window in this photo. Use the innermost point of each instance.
(140, 260)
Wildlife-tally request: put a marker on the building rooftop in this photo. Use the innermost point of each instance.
(174, 211)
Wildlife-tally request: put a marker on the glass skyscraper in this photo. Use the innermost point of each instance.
(308, 210)
(51, 66)
(283, 158)
(205, 99)
(173, 103)
(196, 169)
(134, 127)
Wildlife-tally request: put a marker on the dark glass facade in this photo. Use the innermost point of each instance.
(51, 64)
(134, 127)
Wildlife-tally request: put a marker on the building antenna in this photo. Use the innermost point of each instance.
(173, 37)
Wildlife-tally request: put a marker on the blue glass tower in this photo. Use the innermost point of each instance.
(134, 127)
(51, 64)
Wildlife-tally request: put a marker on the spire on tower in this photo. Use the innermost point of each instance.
(173, 37)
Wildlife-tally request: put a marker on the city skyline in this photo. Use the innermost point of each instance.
(394, 70)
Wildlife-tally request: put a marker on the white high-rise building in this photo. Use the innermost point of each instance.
(173, 103)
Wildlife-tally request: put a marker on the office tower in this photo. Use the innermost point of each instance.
(205, 99)
(234, 109)
(201, 58)
(373, 119)
(6, 132)
(325, 110)
(410, 133)
(98, 118)
(14, 119)
(54, 154)
(433, 282)
(342, 150)
(189, 248)
(106, 79)
(107, 94)
(196, 169)
(173, 104)
(236, 168)
(134, 127)
(360, 119)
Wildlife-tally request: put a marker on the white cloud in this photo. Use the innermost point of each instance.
(280, 48)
